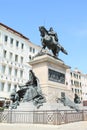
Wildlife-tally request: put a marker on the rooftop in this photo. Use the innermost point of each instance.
(8, 28)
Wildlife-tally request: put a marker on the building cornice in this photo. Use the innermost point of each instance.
(14, 31)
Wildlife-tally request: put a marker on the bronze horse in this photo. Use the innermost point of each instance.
(50, 42)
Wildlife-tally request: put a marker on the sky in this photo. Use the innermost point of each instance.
(67, 17)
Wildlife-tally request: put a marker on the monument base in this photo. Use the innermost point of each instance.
(51, 73)
(28, 106)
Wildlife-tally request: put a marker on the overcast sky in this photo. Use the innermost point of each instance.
(67, 17)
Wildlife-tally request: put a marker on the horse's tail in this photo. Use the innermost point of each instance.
(62, 49)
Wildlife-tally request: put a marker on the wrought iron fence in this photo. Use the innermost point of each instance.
(56, 117)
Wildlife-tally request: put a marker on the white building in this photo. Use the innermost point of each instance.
(84, 87)
(15, 51)
(77, 82)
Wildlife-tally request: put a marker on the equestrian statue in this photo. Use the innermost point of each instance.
(50, 40)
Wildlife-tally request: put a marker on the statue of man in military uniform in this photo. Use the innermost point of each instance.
(52, 33)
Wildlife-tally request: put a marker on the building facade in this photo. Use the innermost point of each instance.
(84, 87)
(15, 52)
(77, 82)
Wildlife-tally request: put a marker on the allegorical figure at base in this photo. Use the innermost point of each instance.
(31, 91)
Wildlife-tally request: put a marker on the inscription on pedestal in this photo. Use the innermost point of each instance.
(56, 76)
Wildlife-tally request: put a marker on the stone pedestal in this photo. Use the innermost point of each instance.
(26, 106)
(51, 73)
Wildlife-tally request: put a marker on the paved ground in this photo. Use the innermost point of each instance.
(71, 126)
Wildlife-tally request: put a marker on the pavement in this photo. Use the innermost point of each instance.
(82, 125)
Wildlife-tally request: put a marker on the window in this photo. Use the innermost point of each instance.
(11, 55)
(33, 50)
(0, 34)
(80, 84)
(15, 72)
(71, 82)
(81, 91)
(9, 87)
(15, 87)
(76, 90)
(17, 43)
(79, 77)
(10, 70)
(29, 57)
(16, 58)
(3, 68)
(21, 74)
(11, 40)
(71, 74)
(76, 83)
(66, 83)
(6, 38)
(2, 87)
(22, 46)
(4, 53)
(72, 90)
(30, 49)
(21, 59)
(74, 75)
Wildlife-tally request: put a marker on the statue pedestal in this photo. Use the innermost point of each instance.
(51, 73)
(26, 106)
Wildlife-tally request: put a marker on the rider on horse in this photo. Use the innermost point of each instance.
(52, 33)
(50, 40)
